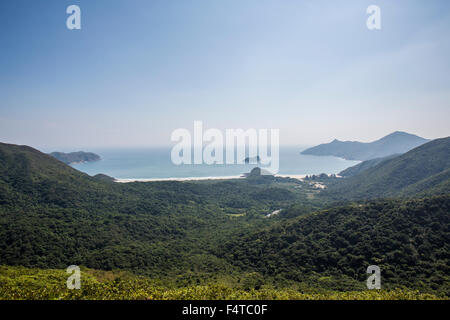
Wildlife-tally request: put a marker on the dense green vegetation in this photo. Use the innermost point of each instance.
(52, 216)
(21, 283)
(363, 166)
(407, 239)
(212, 239)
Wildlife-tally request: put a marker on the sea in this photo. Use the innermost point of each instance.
(155, 163)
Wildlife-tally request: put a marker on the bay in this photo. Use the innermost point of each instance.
(155, 163)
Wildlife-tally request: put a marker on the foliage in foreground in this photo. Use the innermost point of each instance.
(50, 284)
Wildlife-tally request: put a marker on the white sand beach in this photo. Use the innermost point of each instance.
(178, 179)
(293, 176)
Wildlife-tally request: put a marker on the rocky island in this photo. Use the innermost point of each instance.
(75, 157)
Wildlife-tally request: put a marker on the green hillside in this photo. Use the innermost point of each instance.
(197, 235)
(421, 171)
(28, 176)
(52, 216)
(363, 166)
(408, 240)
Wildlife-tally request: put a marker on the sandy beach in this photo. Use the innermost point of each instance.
(293, 176)
(178, 179)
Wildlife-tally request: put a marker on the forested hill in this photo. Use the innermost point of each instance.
(53, 216)
(29, 176)
(24, 169)
(424, 170)
(360, 167)
(408, 240)
(394, 143)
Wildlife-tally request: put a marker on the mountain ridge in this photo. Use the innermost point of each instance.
(397, 142)
(362, 166)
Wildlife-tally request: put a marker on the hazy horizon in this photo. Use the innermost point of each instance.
(137, 71)
(168, 146)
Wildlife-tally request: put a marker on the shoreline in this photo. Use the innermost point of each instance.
(293, 176)
(178, 179)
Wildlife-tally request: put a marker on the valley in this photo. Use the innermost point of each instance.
(216, 232)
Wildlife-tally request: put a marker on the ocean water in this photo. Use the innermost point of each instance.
(155, 163)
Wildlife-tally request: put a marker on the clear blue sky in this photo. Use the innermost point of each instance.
(139, 69)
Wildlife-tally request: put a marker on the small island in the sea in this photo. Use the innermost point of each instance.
(257, 172)
(256, 159)
(75, 157)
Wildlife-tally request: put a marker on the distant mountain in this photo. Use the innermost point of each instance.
(360, 167)
(424, 170)
(394, 143)
(75, 157)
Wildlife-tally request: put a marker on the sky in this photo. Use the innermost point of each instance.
(137, 70)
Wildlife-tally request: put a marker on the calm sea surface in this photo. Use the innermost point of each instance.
(156, 163)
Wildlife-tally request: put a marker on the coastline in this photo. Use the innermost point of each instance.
(178, 179)
(293, 176)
